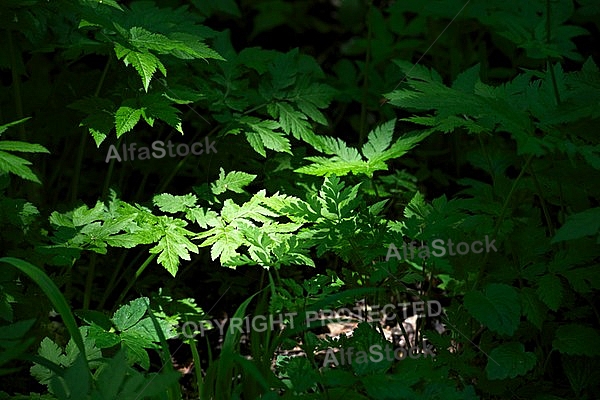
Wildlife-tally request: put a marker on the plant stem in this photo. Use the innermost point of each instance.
(81, 149)
(111, 167)
(365, 88)
(113, 281)
(500, 218)
(548, 40)
(166, 182)
(16, 80)
(137, 275)
(197, 365)
(88, 283)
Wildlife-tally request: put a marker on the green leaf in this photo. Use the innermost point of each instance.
(144, 62)
(140, 38)
(17, 166)
(579, 225)
(95, 317)
(136, 348)
(234, 181)
(377, 150)
(16, 330)
(225, 242)
(346, 160)
(174, 204)
(53, 293)
(158, 106)
(292, 121)
(173, 245)
(77, 379)
(128, 315)
(379, 140)
(262, 134)
(9, 145)
(51, 352)
(84, 216)
(4, 127)
(550, 291)
(497, 307)
(111, 377)
(509, 360)
(533, 308)
(126, 118)
(102, 337)
(576, 339)
(203, 218)
(401, 146)
(100, 116)
(146, 329)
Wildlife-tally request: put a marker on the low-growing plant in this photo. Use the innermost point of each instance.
(414, 122)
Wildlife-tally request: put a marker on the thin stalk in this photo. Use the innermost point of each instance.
(500, 218)
(89, 282)
(16, 80)
(175, 170)
(554, 84)
(542, 201)
(113, 281)
(140, 190)
(197, 365)
(139, 272)
(82, 142)
(548, 40)
(365, 91)
(77, 172)
(111, 167)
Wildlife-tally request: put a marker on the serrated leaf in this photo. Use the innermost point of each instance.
(497, 307)
(377, 150)
(577, 339)
(85, 216)
(225, 243)
(128, 315)
(50, 351)
(203, 218)
(146, 329)
(141, 38)
(533, 308)
(550, 291)
(10, 145)
(126, 118)
(187, 46)
(158, 106)
(173, 245)
(579, 225)
(102, 338)
(262, 134)
(135, 349)
(509, 360)
(144, 62)
(234, 181)
(18, 166)
(4, 127)
(402, 146)
(174, 204)
(379, 140)
(312, 111)
(292, 121)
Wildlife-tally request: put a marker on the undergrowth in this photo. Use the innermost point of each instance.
(334, 136)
